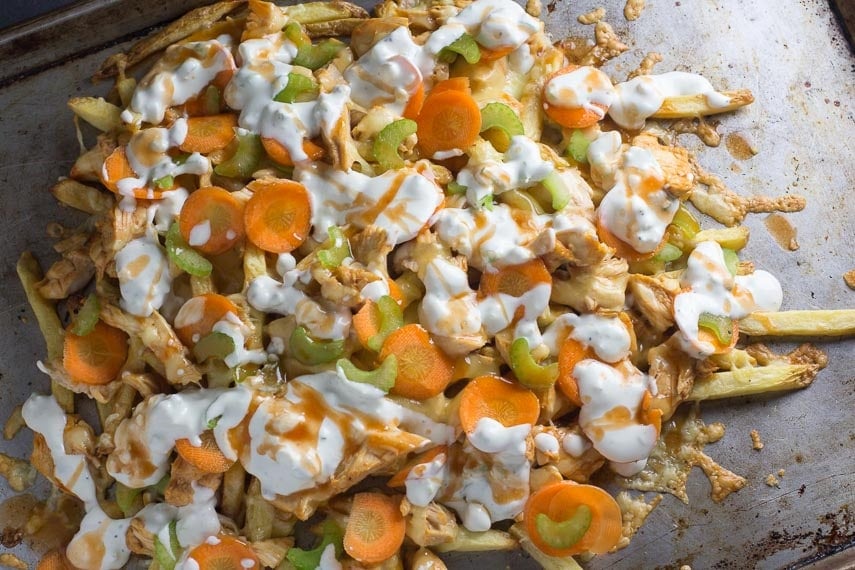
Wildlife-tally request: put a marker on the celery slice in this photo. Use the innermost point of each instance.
(382, 377)
(389, 139)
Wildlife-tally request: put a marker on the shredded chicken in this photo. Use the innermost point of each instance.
(654, 299)
(601, 286)
(430, 525)
(183, 477)
(675, 162)
(674, 375)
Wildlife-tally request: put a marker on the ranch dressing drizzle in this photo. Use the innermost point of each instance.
(583, 88)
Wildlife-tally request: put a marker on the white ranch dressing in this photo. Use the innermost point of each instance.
(641, 96)
(606, 334)
(425, 480)
(165, 211)
(497, 24)
(585, 87)
(449, 307)
(710, 288)
(179, 76)
(546, 443)
(231, 326)
(611, 399)
(499, 311)
(144, 279)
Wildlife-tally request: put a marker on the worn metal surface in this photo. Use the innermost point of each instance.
(790, 53)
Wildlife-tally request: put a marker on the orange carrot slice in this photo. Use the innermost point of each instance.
(514, 280)
(622, 248)
(496, 398)
(570, 117)
(424, 370)
(116, 167)
(366, 322)
(278, 216)
(450, 119)
(206, 457)
(277, 151)
(211, 220)
(207, 134)
(227, 553)
(197, 317)
(375, 528)
(415, 102)
(96, 358)
(488, 54)
(571, 353)
(452, 84)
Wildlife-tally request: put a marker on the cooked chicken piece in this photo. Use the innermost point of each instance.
(601, 286)
(271, 552)
(576, 468)
(459, 346)
(102, 393)
(370, 248)
(333, 290)
(68, 275)
(157, 336)
(140, 540)
(88, 165)
(675, 162)
(117, 230)
(430, 525)
(654, 298)
(183, 477)
(580, 242)
(674, 374)
(264, 18)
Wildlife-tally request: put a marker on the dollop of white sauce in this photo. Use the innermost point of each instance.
(585, 87)
(546, 443)
(449, 306)
(641, 96)
(144, 279)
(166, 210)
(231, 326)
(425, 480)
(575, 444)
(500, 310)
(611, 399)
(606, 334)
(497, 24)
(708, 287)
(328, 560)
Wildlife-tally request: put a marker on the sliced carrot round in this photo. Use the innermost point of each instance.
(211, 220)
(452, 84)
(488, 54)
(117, 167)
(622, 248)
(450, 119)
(280, 154)
(514, 280)
(207, 134)
(225, 553)
(97, 357)
(571, 117)
(415, 102)
(496, 398)
(375, 528)
(571, 353)
(366, 322)
(424, 370)
(197, 317)
(278, 215)
(400, 478)
(206, 457)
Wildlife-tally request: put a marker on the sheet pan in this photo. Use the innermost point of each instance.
(791, 53)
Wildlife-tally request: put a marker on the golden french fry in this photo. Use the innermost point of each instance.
(333, 28)
(14, 423)
(30, 274)
(82, 197)
(97, 112)
(734, 238)
(234, 485)
(317, 12)
(775, 377)
(840, 322)
(546, 561)
(259, 514)
(698, 105)
(125, 87)
(468, 541)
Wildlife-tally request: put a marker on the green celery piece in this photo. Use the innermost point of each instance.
(389, 139)
(338, 249)
(128, 499)
(318, 55)
(529, 373)
(310, 351)
(557, 189)
(721, 327)
(731, 260)
(165, 183)
(668, 253)
(245, 160)
(87, 316)
(213, 345)
(294, 32)
(487, 202)
(167, 556)
(466, 46)
(577, 148)
(184, 256)
(391, 319)
(453, 188)
(500, 116)
(382, 377)
(299, 88)
(566, 533)
(310, 559)
(212, 423)
(686, 223)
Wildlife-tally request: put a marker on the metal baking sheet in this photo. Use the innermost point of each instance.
(791, 53)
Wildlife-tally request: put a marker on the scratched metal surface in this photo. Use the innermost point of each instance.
(790, 53)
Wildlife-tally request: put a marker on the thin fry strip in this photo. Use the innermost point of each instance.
(30, 273)
(699, 106)
(546, 561)
(468, 541)
(82, 197)
(839, 322)
(738, 382)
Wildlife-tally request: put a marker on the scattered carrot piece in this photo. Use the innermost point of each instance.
(494, 54)
(570, 117)
(571, 353)
(215, 216)
(375, 528)
(197, 317)
(400, 478)
(496, 398)
(452, 84)
(423, 368)
(96, 358)
(366, 322)
(277, 151)
(415, 102)
(116, 167)
(648, 414)
(450, 119)
(207, 134)
(206, 457)
(514, 280)
(622, 248)
(278, 216)
(228, 553)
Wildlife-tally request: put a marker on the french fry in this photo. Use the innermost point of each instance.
(699, 106)
(30, 274)
(333, 28)
(14, 423)
(734, 238)
(259, 514)
(840, 322)
(82, 197)
(88, 165)
(18, 472)
(97, 112)
(774, 377)
(201, 285)
(309, 13)
(468, 541)
(546, 561)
